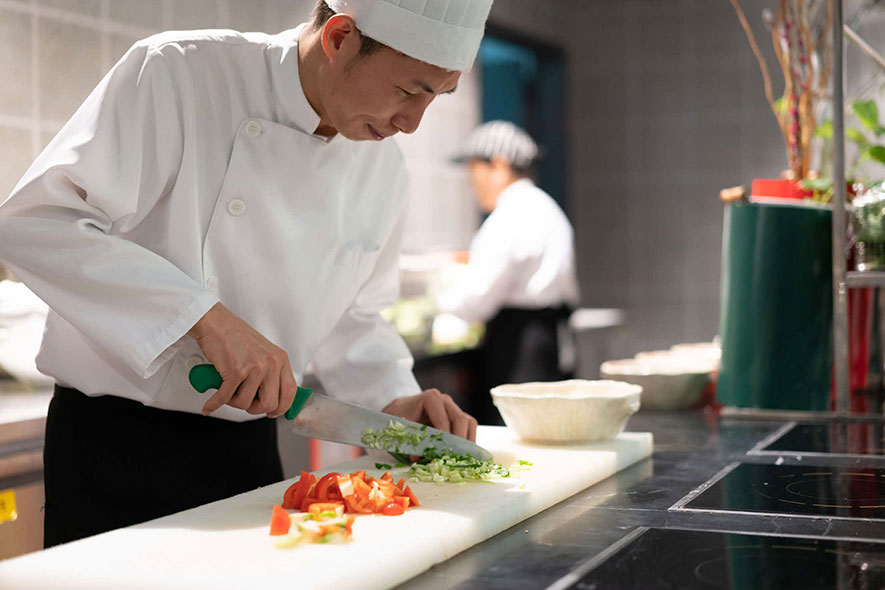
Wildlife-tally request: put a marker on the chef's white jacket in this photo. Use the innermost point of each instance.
(522, 256)
(191, 175)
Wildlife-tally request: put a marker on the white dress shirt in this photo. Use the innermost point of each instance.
(191, 175)
(522, 256)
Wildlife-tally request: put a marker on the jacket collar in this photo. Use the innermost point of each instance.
(287, 83)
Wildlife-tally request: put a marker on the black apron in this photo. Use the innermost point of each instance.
(520, 345)
(111, 462)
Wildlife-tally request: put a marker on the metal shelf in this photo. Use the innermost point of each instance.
(840, 277)
(855, 279)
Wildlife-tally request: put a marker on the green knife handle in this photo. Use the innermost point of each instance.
(206, 377)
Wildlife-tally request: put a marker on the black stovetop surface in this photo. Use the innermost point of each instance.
(845, 492)
(666, 558)
(853, 438)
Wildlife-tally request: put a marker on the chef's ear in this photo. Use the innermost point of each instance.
(340, 37)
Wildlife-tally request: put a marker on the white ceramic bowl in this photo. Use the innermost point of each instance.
(567, 411)
(701, 350)
(668, 382)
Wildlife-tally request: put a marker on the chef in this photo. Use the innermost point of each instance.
(520, 278)
(234, 199)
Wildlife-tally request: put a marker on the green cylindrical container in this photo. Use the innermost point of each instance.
(776, 307)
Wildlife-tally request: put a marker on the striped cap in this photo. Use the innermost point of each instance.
(500, 138)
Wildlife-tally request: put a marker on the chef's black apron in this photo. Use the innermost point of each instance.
(520, 345)
(111, 462)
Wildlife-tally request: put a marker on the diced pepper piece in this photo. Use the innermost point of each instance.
(327, 488)
(319, 508)
(294, 496)
(413, 499)
(305, 504)
(280, 522)
(392, 509)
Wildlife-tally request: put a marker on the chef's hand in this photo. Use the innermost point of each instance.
(435, 409)
(256, 373)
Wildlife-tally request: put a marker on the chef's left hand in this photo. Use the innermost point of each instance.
(435, 409)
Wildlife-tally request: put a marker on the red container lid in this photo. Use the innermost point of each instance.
(778, 187)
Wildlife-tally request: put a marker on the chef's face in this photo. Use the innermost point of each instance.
(488, 179)
(370, 97)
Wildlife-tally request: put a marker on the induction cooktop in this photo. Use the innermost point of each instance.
(667, 558)
(838, 438)
(850, 492)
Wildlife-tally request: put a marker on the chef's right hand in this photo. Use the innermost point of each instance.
(256, 373)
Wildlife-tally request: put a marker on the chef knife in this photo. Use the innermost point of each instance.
(320, 416)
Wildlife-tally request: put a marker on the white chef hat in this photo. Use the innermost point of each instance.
(444, 33)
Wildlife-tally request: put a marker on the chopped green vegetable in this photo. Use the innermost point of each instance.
(393, 436)
(454, 468)
(528, 463)
(382, 466)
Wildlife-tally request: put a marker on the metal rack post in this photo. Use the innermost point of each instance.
(840, 293)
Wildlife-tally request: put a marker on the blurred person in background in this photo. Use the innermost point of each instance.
(520, 279)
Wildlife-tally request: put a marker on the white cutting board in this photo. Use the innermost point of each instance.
(226, 544)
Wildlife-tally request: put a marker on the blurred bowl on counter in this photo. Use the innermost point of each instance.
(700, 350)
(567, 411)
(668, 381)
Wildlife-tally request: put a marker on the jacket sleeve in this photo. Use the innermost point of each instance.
(487, 279)
(106, 169)
(364, 360)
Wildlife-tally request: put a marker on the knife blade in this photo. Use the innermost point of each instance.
(320, 416)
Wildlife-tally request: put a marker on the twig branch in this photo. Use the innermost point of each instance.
(864, 46)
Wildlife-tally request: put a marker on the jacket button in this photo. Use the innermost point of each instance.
(253, 128)
(212, 284)
(236, 207)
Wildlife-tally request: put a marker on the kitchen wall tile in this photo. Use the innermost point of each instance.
(246, 15)
(15, 157)
(16, 94)
(63, 89)
(47, 136)
(82, 7)
(118, 45)
(195, 14)
(286, 14)
(140, 13)
(715, 33)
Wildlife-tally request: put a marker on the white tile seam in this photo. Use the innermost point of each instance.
(105, 35)
(222, 15)
(35, 81)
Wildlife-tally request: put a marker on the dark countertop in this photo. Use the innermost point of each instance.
(557, 547)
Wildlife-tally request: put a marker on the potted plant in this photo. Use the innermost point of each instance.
(776, 312)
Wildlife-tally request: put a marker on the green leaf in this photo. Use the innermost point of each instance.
(817, 184)
(824, 130)
(868, 113)
(780, 105)
(877, 152)
(857, 136)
